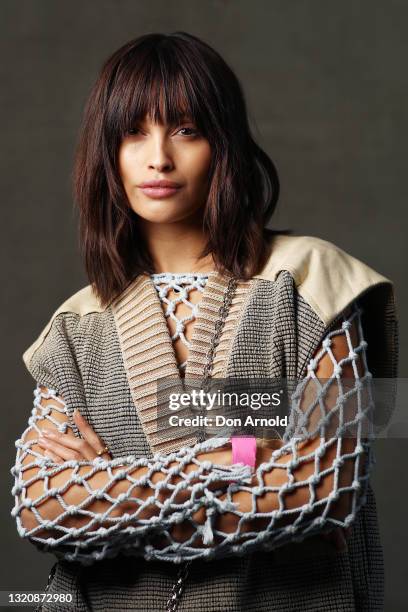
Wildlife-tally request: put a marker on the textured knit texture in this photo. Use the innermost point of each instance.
(93, 363)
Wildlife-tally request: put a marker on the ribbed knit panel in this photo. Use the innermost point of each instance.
(149, 355)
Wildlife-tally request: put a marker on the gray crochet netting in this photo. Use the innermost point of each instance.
(182, 283)
(129, 534)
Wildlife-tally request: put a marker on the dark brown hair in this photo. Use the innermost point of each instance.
(166, 76)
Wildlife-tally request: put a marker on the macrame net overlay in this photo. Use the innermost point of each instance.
(182, 284)
(209, 486)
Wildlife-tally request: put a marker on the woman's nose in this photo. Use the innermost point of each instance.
(161, 166)
(160, 157)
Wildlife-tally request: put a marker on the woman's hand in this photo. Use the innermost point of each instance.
(62, 447)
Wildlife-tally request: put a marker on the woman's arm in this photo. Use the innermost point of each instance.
(50, 417)
(279, 477)
(59, 503)
(313, 482)
(201, 514)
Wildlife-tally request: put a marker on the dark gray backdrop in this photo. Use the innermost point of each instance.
(326, 85)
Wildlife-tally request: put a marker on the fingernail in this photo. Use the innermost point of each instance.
(48, 434)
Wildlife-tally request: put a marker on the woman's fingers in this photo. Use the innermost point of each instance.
(55, 458)
(66, 446)
(73, 447)
(88, 433)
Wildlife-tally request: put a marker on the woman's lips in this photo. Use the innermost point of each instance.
(159, 192)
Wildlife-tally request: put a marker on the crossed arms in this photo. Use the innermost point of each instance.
(193, 502)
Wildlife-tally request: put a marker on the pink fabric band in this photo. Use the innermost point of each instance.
(244, 450)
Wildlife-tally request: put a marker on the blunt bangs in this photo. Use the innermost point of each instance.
(157, 78)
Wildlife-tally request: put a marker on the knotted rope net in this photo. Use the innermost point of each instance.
(79, 533)
(182, 284)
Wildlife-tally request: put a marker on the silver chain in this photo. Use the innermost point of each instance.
(178, 586)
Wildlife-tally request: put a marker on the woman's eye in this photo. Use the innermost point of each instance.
(195, 132)
(192, 131)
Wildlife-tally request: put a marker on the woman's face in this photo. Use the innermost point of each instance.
(176, 153)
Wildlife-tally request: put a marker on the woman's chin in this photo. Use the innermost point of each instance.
(163, 211)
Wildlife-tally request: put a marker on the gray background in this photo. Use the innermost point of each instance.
(327, 98)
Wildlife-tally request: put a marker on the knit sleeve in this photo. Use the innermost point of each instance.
(53, 361)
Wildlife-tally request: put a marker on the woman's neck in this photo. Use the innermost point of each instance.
(175, 247)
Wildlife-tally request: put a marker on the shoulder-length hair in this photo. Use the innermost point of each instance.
(166, 76)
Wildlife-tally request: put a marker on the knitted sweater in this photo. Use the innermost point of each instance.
(105, 361)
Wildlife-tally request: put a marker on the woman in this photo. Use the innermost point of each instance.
(187, 282)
